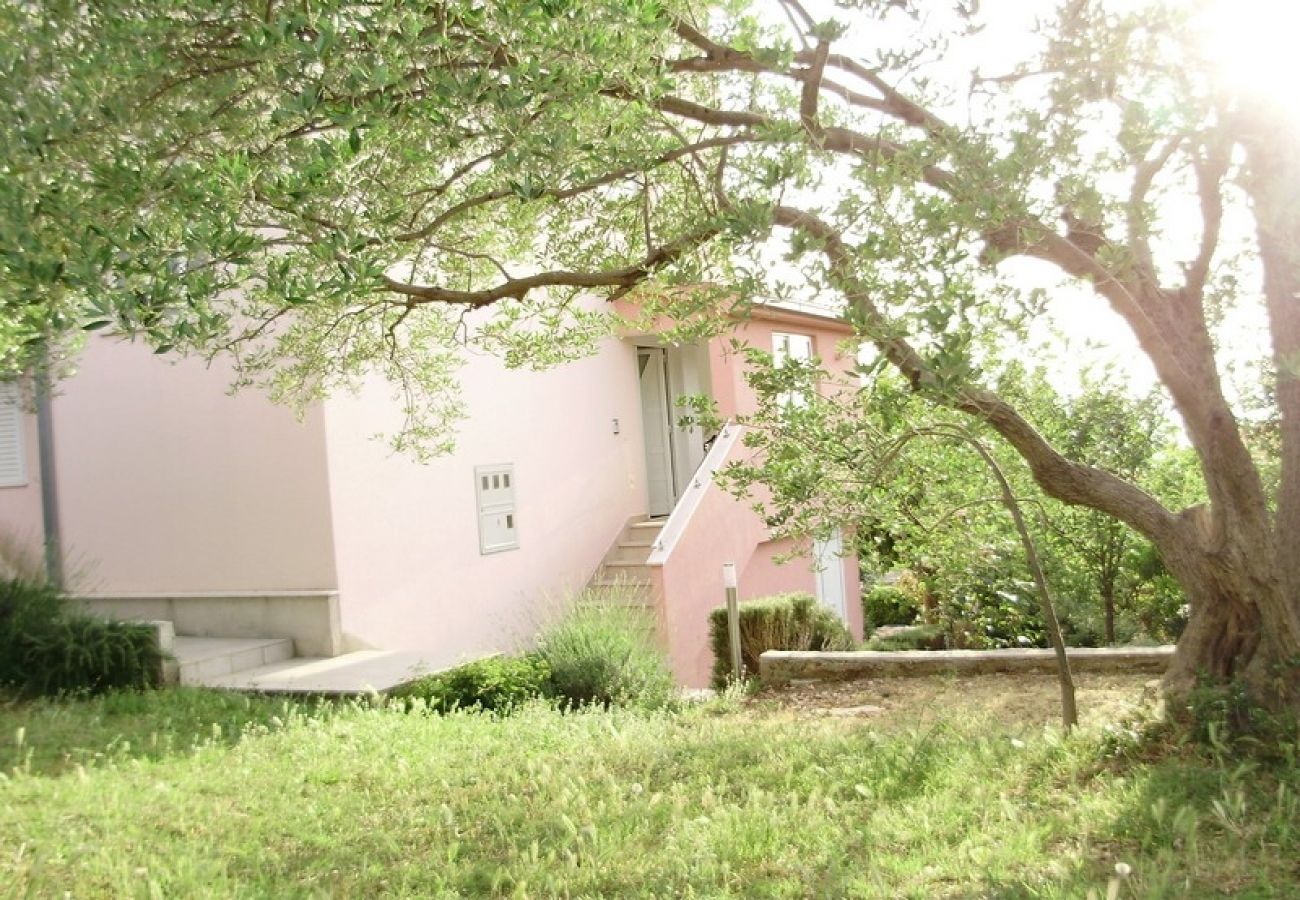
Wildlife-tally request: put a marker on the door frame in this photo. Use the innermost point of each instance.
(662, 422)
(828, 575)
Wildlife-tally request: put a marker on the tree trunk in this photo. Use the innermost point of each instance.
(1065, 679)
(1237, 628)
(1108, 604)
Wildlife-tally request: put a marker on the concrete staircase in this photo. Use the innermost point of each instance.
(623, 578)
(201, 660)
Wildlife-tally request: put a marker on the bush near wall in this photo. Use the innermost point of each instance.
(603, 652)
(781, 622)
(918, 637)
(495, 684)
(886, 604)
(47, 649)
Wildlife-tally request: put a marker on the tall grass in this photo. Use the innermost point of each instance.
(51, 736)
(618, 803)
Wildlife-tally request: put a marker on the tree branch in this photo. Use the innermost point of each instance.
(1059, 477)
(1145, 173)
(812, 85)
(625, 277)
(610, 177)
(1210, 169)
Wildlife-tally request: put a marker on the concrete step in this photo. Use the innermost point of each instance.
(634, 572)
(604, 590)
(636, 606)
(618, 594)
(629, 553)
(642, 532)
(637, 541)
(201, 659)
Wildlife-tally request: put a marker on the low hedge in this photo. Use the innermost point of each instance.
(47, 649)
(495, 684)
(781, 622)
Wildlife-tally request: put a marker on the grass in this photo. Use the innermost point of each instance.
(737, 798)
(54, 737)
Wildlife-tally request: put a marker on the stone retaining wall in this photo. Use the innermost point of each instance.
(783, 666)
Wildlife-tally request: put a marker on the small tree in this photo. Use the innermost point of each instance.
(1100, 557)
(816, 480)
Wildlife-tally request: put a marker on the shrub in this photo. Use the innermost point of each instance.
(780, 622)
(47, 649)
(1222, 715)
(886, 604)
(918, 637)
(496, 684)
(604, 652)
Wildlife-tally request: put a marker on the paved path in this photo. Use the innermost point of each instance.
(226, 663)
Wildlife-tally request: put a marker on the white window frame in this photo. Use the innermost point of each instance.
(791, 345)
(496, 503)
(11, 429)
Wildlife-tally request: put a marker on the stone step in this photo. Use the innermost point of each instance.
(634, 572)
(201, 659)
(630, 553)
(642, 532)
(603, 590)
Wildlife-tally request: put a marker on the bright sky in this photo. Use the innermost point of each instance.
(1252, 43)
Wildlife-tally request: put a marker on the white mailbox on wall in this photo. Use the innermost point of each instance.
(494, 487)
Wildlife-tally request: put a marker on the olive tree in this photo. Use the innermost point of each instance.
(323, 187)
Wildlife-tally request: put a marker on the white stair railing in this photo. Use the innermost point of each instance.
(681, 515)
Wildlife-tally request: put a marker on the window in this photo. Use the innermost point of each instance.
(798, 347)
(13, 467)
(497, 526)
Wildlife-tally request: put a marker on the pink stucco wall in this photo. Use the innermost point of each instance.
(410, 571)
(170, 485)
(727, 368)
(21, 532)
(766, 575)
(167, 483)
(723, 529)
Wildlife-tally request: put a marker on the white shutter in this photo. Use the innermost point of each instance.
(495, 489)
(13, 466)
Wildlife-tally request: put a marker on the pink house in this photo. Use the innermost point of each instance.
(229, 517)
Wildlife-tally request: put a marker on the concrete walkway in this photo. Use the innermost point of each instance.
(268, 666)
(362, 672)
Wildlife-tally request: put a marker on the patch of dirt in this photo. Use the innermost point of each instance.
(1031, 699)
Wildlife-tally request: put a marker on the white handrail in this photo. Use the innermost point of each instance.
(690, 500)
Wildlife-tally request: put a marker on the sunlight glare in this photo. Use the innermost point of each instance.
(1252, 43)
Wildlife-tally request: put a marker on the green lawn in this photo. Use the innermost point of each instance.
(170, 795)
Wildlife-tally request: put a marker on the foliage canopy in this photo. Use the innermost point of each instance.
(328, 187)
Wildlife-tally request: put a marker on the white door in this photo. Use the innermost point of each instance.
(828, 561)
(657, 429)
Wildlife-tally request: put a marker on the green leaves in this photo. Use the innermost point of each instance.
(336, 165)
